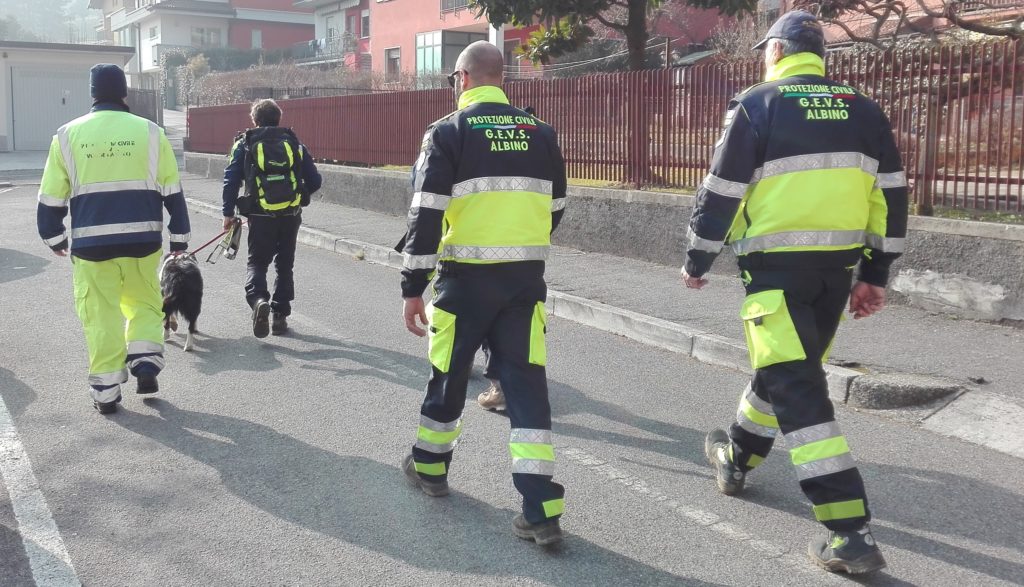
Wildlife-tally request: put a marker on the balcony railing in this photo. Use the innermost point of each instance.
(453, 5)
(326, 49)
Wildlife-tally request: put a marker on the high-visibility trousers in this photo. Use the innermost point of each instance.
(107, 294)
(790, 318)
(504, 305)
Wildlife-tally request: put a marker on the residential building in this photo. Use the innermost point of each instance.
(342, 33)
(156, 27)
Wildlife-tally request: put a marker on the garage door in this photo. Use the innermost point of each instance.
(44, 99)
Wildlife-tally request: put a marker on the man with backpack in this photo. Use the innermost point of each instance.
(279, 177)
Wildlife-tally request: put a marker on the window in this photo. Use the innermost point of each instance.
(257, 39)
(203, 37)
(392, 64)
(428, 52)
(350, 24)
(331, 26)
(154, 32)
(364, 29)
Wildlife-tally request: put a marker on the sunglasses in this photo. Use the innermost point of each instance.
(452, 76)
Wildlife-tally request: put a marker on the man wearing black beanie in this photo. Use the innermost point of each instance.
(115, 172)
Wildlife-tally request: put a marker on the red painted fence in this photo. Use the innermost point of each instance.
(957, 113)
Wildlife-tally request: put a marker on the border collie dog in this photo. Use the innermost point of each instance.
(182, 286)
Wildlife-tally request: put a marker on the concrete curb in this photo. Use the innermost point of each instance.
(703, 346)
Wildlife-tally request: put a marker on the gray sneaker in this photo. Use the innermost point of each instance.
(493, 398)
(431, 488)
(854, 552)
(261, 319)
(544, 533)
(729, 477)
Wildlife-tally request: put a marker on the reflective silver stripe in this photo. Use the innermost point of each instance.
(169, 190)
(429, 200)
(724, 187)
(755, 428)
(125, 228)
(154, 152)
(52, 201)
(816, 433)
(886, 245)
(56, 240)
(112, 378)
(138, 347)
(502, 184)
(530, 435)
(156, 360)
(436, 448)
(107, 395)
(558, 204)
(697, 243)
(532, 467)
(180, 238)
(759, 404)
(535, 253)
(896, 179)
(115, 186)
(819, 161)
(827, 466)
(436, 426)
(419, 261)
(69, 160)
(819, 238)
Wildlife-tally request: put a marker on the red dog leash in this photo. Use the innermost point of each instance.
(214, 239)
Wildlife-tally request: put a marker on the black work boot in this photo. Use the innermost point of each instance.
(279, 325)
(716, 448)
(431, 488)
(852, 552)
(106, 408)
(146, 383)
(261, 318)
(544, 533)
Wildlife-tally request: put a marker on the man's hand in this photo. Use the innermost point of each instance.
(227, 221)
(866, 299)
(61, 252)
(414, 307)
(692, 282)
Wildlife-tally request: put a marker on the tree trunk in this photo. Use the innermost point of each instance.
(636, 34)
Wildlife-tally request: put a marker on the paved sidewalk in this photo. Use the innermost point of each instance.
(900, 339)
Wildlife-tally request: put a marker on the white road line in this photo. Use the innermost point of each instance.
(701, 518)
(49, 559)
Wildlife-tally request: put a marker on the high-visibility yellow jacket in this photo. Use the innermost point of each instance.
(116, 173)
(488, 187)
(806, 173)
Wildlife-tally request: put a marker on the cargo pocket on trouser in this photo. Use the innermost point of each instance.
(538, 329)
(442, 337)
(771, 335)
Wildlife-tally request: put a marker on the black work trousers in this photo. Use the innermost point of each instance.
(503, 304)
(790, 318)
(272, 239)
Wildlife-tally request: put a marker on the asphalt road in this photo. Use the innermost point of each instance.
(275, 462)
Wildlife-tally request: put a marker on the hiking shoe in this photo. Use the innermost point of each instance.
(279, 325)
(146, 383)
(431, 488)
(493, 398)
(261, 319)
(106, 408)
(850, 552)
(544, 533)
(716, 448)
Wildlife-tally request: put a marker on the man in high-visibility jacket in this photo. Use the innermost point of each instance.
(807, 185)
(489, 187)
(116, 173)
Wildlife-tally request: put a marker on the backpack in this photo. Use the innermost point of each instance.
(273, 176)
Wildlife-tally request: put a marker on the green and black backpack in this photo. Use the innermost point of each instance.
(273, 171)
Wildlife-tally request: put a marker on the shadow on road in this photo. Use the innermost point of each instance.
(15, 265)
(369, 505)
(16, 395)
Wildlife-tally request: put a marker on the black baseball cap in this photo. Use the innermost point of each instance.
(796, 25)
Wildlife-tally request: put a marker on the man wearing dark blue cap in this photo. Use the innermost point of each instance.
(115, 172)
(806, 184)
